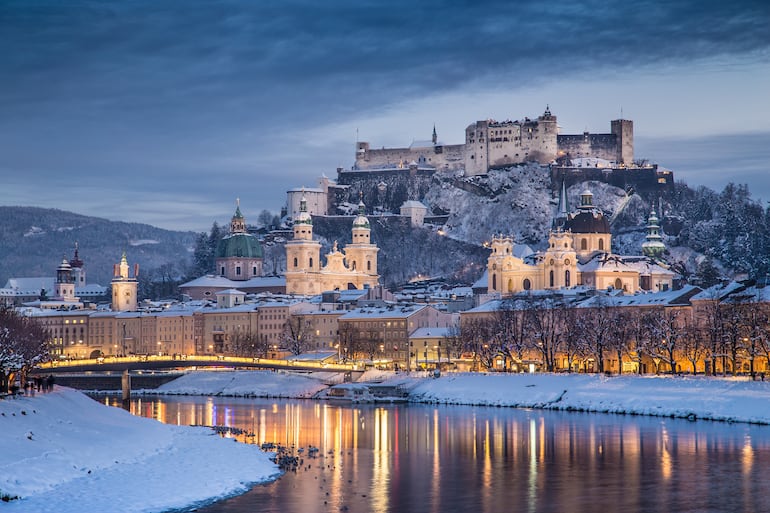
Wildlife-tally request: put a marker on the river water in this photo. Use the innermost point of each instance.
(443, 459)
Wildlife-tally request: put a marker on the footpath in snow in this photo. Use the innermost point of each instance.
(64, 452)
(724, 399)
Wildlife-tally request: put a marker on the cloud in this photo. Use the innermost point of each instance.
(198, 96)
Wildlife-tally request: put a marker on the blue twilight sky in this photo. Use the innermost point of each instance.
(165, 111)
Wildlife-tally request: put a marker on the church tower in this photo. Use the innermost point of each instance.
(653, 246)
(303, 255)
(124, 287)
(361, 254)
(64, 288)
(78, 271)
(560, 262)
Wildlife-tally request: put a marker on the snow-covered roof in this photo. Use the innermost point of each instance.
(220, 281)
(387, 312)
(431, 333)
(413, 204)
(31, 284)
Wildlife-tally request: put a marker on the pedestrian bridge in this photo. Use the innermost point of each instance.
(183, 362)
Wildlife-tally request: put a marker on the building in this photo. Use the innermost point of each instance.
(355, 267)
(578, 254)
(239, 254)
(68, 289)
(124, 287)
(493, 144)
(383, 332)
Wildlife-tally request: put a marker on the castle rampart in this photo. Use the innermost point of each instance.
(493, 144)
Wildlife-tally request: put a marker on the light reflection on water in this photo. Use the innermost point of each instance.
(428, 458)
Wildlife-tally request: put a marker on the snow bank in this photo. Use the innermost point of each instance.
(245, 384)
(63, 452)
(736, 400)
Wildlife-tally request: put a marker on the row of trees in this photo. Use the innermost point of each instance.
(23, 344)
(297, 338)
(728, 337)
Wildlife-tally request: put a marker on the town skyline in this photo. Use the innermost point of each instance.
(164, 114)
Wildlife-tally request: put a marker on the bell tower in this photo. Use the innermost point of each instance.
(361, 254)
(303, 256)
(124, 287)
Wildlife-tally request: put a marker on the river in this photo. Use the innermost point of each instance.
(442, 459)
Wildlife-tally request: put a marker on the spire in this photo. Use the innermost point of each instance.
(653, 246)
(562, 210)
(76, 261)
(238, 222)
(435, 137)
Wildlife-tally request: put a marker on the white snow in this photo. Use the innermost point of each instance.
(64, 452)
(714, 398)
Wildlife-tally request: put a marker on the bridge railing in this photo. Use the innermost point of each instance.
(191, 361)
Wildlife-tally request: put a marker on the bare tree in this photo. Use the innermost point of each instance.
(666, 336)
(24, 344)
(507, 330)
(545, 318)
(476, 335)
(572, 341)
(734, 332)
(453, 342)
(297, 334)
(694, 346)
(595, 324)
(248, 345)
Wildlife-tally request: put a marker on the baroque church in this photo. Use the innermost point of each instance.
(355, 267)
(579, 254)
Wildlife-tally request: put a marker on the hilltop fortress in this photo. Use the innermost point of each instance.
(496, 144)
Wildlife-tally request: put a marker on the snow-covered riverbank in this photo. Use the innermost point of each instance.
(725, 399)
(64, 452)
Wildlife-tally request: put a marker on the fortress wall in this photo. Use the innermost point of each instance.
(603, 146)
(646, 181)
(441, 157)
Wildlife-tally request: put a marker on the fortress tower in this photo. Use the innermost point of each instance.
(623, 130)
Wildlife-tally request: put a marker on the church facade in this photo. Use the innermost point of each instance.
(355, 267)
(578, 254)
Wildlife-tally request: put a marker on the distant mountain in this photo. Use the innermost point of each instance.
(33, 242)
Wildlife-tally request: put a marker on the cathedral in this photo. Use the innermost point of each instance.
(355, 267)
(578, 253)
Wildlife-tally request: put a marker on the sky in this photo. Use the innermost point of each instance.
(166, 111)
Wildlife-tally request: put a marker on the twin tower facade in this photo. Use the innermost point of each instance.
(353, 268)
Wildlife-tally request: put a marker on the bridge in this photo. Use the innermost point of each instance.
(152, 371)
(182, 362)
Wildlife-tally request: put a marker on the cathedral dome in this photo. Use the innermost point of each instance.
(243, 245)
(587, 221)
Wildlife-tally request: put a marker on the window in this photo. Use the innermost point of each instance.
(237, 270)
(583, 244)
(550, 277)
(566, 278)
(494, 282)
(368, 265)
(311, 262)
(222, 271)
(295, 262)
(527, 284)
(618, 284)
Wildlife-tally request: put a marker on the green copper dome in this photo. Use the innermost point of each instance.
(241, 245)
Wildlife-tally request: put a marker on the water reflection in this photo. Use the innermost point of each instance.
(441, 459)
